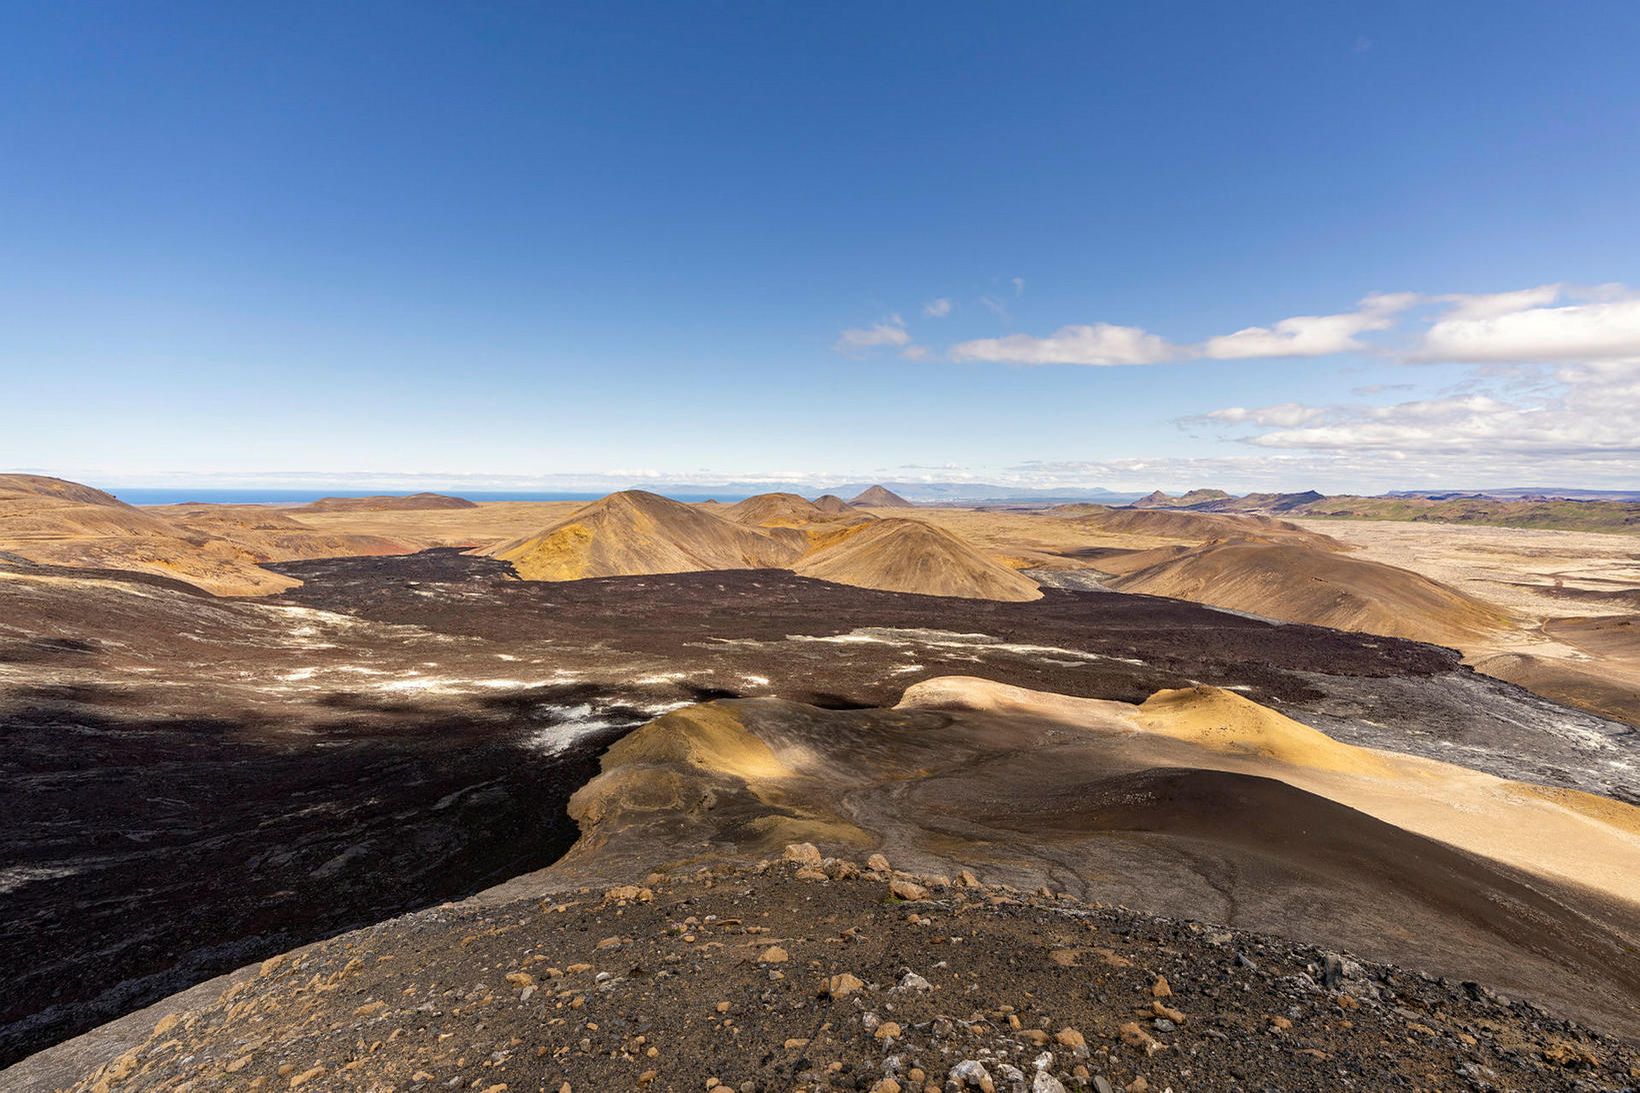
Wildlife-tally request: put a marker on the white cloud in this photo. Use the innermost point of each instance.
(996, 307)
(1096, 344)
(890, 332)
(937, 308)
(1311, 335)
(1517, 326)
(1285, 414)
(1588, 410)
(1019, 286)
(915, 352)
(1484, 305)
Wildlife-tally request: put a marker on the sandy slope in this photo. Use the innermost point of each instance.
(1299, 583)
(1551, 581)
(1196, 803)
(1578, 838)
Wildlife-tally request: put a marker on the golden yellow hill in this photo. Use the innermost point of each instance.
(1297, 583)
(636, 532)
(1224, 721)
(632, 533)
(912, 556)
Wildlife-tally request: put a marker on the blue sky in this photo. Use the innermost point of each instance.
(524, 244)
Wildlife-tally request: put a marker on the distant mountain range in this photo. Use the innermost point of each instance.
(922, 493)
(1523, 492)
(1608, 510)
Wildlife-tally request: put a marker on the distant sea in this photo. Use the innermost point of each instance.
(163, 496)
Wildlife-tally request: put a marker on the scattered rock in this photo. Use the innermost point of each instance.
(803, 854)
(970, 1074)
(843, 984)
(629, 892)
(907, 890)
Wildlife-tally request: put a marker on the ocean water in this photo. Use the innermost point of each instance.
(180, 496)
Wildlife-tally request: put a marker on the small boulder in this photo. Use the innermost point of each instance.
(806, 854)
(842, 985)
(907, 890)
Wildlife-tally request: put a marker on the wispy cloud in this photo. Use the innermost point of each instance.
(937, 308)
(1311, 335)
(890, 332)
(1284, 414)
(1096, 344)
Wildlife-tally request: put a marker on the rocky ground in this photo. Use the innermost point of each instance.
(811, 974)
(194, 782)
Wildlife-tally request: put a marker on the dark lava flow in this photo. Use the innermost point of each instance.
(191, 783)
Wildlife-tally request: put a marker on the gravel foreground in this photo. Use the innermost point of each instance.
(813, 974)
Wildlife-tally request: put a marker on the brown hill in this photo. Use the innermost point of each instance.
(774, 510)
(833, 505)
(1267, 503)
(218, 548)
(1295, 582)
(388, 503)
(16, 487)
(1160, 500)
(1200, 527)
(635, 532)
(632, 533)
(880, 497)
(899, 555)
